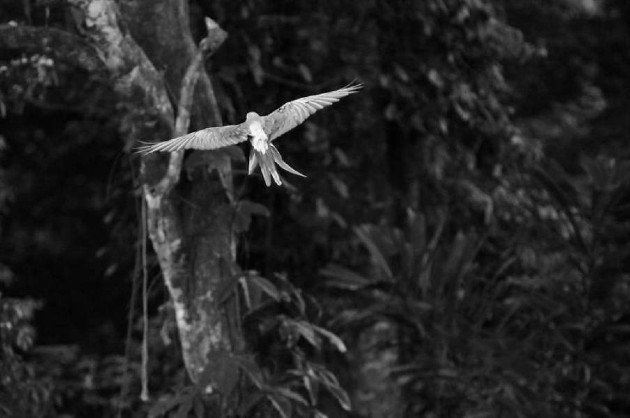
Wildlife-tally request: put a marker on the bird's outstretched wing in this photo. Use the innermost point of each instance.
(205, 139)
(293, 113)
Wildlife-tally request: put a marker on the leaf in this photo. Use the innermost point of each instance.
(251, 370)
(342, 157)
(401, 73)
(549, 180)
(334, 339)
(376, 254)
(340, 187)
(281, 405)
(312, 387)
(305, 330)
(306, 73)
(332, 385)
(462, 251)
(288, 393)
(556, 181)
(434, 77)
(343, 278)
(265, 286)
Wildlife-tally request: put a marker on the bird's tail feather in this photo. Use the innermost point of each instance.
(278, 159)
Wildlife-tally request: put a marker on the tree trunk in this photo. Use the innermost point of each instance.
(187, 221)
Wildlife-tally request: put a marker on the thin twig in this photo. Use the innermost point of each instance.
(145, 308)
(124, 387)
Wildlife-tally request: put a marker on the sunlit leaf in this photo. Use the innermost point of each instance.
(335, 340)
(312, 387)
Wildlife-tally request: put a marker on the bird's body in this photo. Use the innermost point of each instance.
(260, 130)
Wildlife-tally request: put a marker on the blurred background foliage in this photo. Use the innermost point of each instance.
(463, 227)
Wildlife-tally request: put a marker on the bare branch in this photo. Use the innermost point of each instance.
(207, 46)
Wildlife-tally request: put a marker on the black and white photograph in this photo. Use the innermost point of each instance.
(315, 208)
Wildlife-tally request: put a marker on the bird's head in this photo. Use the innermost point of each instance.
(260, 140)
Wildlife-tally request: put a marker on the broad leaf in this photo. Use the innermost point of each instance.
(289, 394)
(281, 405)
(335, 340)
(265, 286)
(343, 278)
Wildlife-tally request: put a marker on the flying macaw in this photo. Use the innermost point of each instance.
(259, 130)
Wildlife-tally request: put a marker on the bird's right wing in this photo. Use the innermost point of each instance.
(293, 113)
(205, 139)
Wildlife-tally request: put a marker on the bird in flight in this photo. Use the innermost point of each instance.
(259, 130)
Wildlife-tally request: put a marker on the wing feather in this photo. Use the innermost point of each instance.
(293, 113)
(205, 139)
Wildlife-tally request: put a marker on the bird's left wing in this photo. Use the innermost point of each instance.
(293, 113)
(205, 139)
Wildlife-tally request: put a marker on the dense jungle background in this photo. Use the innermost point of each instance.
(459, 248)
